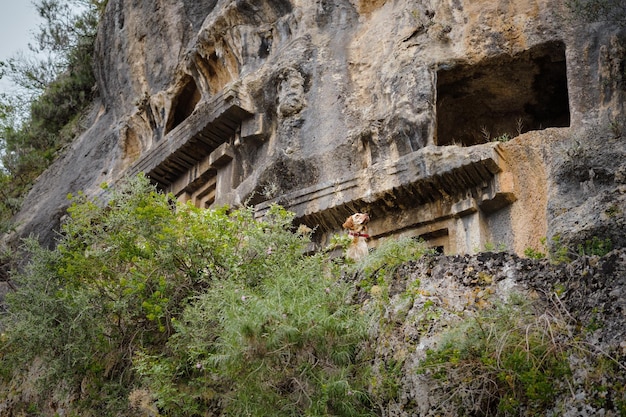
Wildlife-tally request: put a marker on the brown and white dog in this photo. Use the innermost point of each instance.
(357, 228)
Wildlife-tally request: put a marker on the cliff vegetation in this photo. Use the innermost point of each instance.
(149, 307)
(55, 84)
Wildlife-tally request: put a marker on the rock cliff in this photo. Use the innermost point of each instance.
(586, 293)
(468, 123)
(463, 122)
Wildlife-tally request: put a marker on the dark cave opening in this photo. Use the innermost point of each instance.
(502, 97)
(184, 104)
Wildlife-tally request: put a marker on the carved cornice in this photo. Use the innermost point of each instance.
(212, 123)
(441, 182)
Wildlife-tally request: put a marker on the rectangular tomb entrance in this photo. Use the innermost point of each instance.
(192, 160)
(503, 96)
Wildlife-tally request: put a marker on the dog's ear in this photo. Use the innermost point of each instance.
(349, 224)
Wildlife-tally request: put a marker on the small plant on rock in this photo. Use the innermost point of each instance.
(507, 360)
(380, 265)
(595, 247)
(534, 253)
(492, 247)
(378, 272)
(505, 137)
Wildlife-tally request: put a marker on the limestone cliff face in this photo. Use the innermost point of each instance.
(454, 287)
(463, 122)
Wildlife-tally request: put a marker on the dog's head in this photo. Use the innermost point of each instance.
(357, 222)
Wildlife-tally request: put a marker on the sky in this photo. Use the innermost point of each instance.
(18, 23)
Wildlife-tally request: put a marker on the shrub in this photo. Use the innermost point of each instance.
(379, 267)
(534, 253)
(277, 337)
(558, 252)
(509, 360)
(110, 285)
(43, 116)
(492, 247)
(595, 247)
(192, 307)
(505, 137)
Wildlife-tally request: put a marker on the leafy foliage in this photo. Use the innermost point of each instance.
(194, 308)
(379, 267)
(534, 253)
(287, 346)
(151, 307)
(558, 252)
(595, 247)
(43, 116)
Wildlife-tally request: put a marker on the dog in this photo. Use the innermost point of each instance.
(357, 228)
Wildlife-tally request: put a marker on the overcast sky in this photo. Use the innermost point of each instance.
(18, 23)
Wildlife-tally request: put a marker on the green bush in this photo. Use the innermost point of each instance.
(595, 247)
(84, 307)
(44, 115)
(287, 346)
(186, 310)
(276, 336)
(558, 252)
(509, 360)
(534, 253)
(380, 266)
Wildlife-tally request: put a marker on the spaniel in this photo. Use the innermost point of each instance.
(357, 228)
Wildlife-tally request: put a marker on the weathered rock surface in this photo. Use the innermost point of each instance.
(430, 295)
(331, 107)
(464, 122)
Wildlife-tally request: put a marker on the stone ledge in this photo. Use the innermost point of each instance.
(210, 125)
(440, 182)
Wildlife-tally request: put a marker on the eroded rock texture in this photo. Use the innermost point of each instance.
(586, 291)
(463, 122)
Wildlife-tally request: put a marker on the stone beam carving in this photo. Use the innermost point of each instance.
(178, 158)
(424, 191)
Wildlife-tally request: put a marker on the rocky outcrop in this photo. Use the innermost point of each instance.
(429, 296)
(463, 122)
